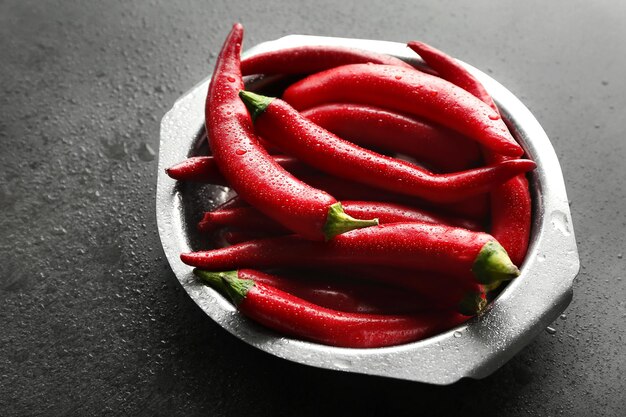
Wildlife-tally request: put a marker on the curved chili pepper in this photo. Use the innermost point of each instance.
(406, 91)
(251, 171)
(474, 208)
(310, 59)
(419, 246)
(247, 218)
(441, 291)
(284, 126)
(250, 219)
(442, 149)
(511, 203)
(196, 168)
(296, 317)
(396, 213)
(203, 169)
(352, 297)
(450, 70)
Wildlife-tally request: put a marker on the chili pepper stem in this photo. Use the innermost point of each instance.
(255, 103)
(339, 222)
(227, 283)
(493, 265)
(235, 287)
(472, 303)
(214, 279)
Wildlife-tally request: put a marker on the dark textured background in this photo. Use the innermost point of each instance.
(92, 320)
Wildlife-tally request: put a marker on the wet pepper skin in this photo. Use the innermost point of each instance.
(250, 219)
(350, 297)
(245, 164)
(418, 246)
(407, 91)
(293, 316)
(285, 127)
(310, 59)
(370, 126)
(511, 204)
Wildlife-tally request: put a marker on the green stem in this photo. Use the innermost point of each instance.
(227, 283)
(214, 279)
(338, 222)
(255, 103)
(493, 265)
(236, 288)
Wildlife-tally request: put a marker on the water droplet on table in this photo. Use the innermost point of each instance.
(146, 153)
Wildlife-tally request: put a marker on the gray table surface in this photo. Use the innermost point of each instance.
(92, 320)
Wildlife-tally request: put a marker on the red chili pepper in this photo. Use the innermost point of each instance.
(296, 317)
(511, 203)
(374, 127)
(246, 218)
(310, 59)
(203, 169)
(342, 295)
(250, 219)
(396, 213)
(511, 206)
(251, 171)
(284, 126)
(196, 168)
(441, 291)
(474, 208)
(451, 70)
(472, 256)
(406, 91)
